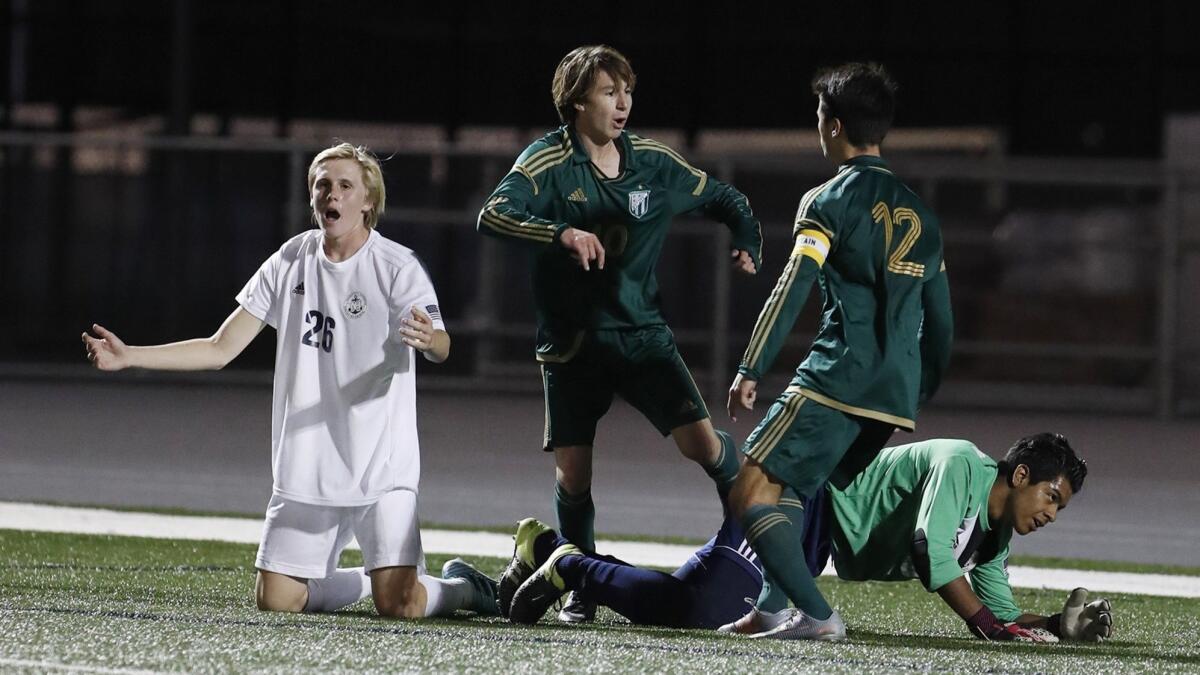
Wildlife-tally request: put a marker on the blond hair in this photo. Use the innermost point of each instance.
(372, 177)
(577, 71)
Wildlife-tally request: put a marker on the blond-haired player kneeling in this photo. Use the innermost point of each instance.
(351, 309)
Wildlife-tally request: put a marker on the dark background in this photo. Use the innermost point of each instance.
(1058, 235)
(1063, 78)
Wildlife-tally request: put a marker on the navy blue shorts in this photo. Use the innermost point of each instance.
(722, 576)
(725, 573)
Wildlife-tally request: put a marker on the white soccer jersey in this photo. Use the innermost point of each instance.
(344, 418)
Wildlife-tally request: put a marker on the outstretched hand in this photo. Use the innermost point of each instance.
(743, 262)
(106, 352)
(1086, 621)
(584, 247)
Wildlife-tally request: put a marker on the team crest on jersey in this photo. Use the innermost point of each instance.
(639, 202)
(355, 305)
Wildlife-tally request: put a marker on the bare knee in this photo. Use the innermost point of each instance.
(397, 593)
(271, 604)
(400, 606)
(753, 487)
(740, 498)
(275, 592)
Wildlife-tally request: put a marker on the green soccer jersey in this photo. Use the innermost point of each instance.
(919, 511)
(554, 185)
(875, 250)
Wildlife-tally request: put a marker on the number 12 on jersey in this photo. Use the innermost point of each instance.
(320, 335)
(897, 221)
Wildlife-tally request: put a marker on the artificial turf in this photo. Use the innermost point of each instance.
(111, 604)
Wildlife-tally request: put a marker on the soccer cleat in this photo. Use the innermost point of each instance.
(800, 626)
(522, 563)
(541, 589)
(577, 609)
(483, 600)
(756, 621)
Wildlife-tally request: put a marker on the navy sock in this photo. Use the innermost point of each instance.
(776, 540)
(576, 517)
(646, 597)
(544, 545)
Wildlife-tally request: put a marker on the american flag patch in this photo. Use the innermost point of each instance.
(433, 312)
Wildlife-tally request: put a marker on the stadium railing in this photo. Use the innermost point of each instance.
(1069, 276)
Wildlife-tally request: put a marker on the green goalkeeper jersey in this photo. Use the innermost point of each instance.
(554, 185)
(875, 250)
(919, 511)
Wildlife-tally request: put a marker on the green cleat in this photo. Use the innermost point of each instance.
(484, 598)
(541, 589)
(523, 563)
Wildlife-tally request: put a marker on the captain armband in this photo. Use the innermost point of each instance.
(812, 243)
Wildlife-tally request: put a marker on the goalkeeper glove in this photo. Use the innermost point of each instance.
(985, 625)
(1082, 620)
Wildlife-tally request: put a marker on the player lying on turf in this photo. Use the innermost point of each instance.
(707, 591)
(351, 309)
(940, 511)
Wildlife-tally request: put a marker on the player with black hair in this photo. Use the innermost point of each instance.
(939, 511)
(936, 509)
(875, 251)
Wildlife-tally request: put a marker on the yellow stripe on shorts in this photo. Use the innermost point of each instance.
(775, 431)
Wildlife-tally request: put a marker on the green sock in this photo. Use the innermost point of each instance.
(576, 517)
(771, 598)
(776, 540)
(725, 470)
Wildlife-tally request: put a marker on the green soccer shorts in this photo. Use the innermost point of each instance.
(804, 444)
(641, 365)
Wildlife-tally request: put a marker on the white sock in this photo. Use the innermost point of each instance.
(343, 587)
(443, 596)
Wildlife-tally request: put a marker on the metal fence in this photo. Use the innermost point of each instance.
(1069, 276)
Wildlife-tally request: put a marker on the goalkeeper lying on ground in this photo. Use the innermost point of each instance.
(940, 511)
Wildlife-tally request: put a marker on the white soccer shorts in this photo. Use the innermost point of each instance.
(306, 540)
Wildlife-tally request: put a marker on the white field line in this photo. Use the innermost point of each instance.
(53, 667)
(40, 518)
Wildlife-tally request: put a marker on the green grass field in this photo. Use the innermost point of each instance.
(108, 604)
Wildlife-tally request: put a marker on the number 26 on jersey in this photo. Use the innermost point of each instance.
(320, 336)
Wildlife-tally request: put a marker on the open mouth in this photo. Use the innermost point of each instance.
(332, 214)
